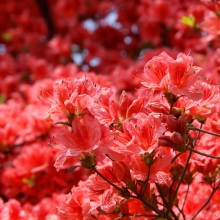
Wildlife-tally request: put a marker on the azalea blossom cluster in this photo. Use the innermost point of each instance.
(109, 109)
(146, 152)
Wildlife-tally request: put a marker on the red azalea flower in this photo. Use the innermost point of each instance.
(83, 137)
(176, 135)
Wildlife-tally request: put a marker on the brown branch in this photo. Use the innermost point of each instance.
(45, 12)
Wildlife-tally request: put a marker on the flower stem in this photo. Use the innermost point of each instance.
(132, 196)
(187, 191)
(143, 189)
(159, 212)
(184, 172)
(165, 201)
(179, 183)
(107, 180)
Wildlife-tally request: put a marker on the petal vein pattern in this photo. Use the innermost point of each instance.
(83, 137)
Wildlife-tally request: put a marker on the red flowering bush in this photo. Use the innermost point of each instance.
(109, 110)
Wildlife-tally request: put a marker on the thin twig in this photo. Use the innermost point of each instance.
(205, 204)
(165, 201)
(132, 196)
(180, 181)
(184, 217)
(107, 180)
(138, 215)
(187, 191)
(203, 154)
(143, 189)
(159, 212)
(192, 127)
(184, 172)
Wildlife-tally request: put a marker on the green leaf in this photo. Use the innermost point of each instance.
(2, 98)
(6, 36)
(30, 182)
(189, 21)
(72, 168)
(147, 45)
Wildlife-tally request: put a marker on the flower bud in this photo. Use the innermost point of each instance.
(132, 186)
(188, 178)
(124, 192)
(88, 161)
(148, 158)
(200, 118)
(209, 178)
(176, 172)
(170, 97)
(177, 112)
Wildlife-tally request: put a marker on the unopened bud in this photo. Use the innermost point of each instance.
(188, 178)
(176, 172)
(170, 97)
(132, 186)
(209, 179)
(177, 112)
(200, 118)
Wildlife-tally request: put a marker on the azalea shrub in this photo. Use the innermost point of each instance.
(109, 110)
